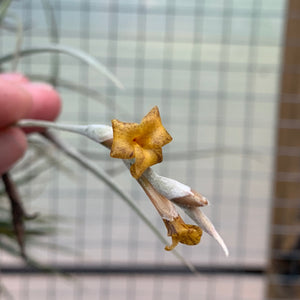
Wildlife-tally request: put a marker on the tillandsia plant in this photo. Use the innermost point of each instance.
(140, 147)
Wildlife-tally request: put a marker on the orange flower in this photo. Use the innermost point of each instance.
(182, 233)
(142, 141)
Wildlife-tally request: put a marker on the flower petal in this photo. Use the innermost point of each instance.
(182, 233)
(144, 158)
(123, 133)
(140, 141)
(154, 133)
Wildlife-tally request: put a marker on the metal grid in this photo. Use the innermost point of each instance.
(212, 67)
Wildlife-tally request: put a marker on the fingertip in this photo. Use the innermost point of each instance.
(14, 77)
(13, 146)
(46, 103)
(15, 102)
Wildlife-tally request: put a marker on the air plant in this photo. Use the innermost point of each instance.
(140, 147)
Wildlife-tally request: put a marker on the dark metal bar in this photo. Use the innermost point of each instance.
(135, 270)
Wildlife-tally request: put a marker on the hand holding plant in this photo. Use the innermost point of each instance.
(19, 99)
(139, 145)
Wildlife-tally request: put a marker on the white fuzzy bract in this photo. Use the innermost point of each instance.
(167, 187)
(99, 133)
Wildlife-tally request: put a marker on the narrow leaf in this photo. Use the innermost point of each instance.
(53, 48)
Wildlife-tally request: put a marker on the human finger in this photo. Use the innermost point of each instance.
(46, 103)
(15, 102)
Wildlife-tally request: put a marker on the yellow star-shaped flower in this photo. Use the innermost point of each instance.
(142, 141)
(182, 233)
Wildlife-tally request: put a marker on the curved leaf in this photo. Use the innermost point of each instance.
(53, 48)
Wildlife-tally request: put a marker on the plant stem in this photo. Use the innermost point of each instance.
(17, 210)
